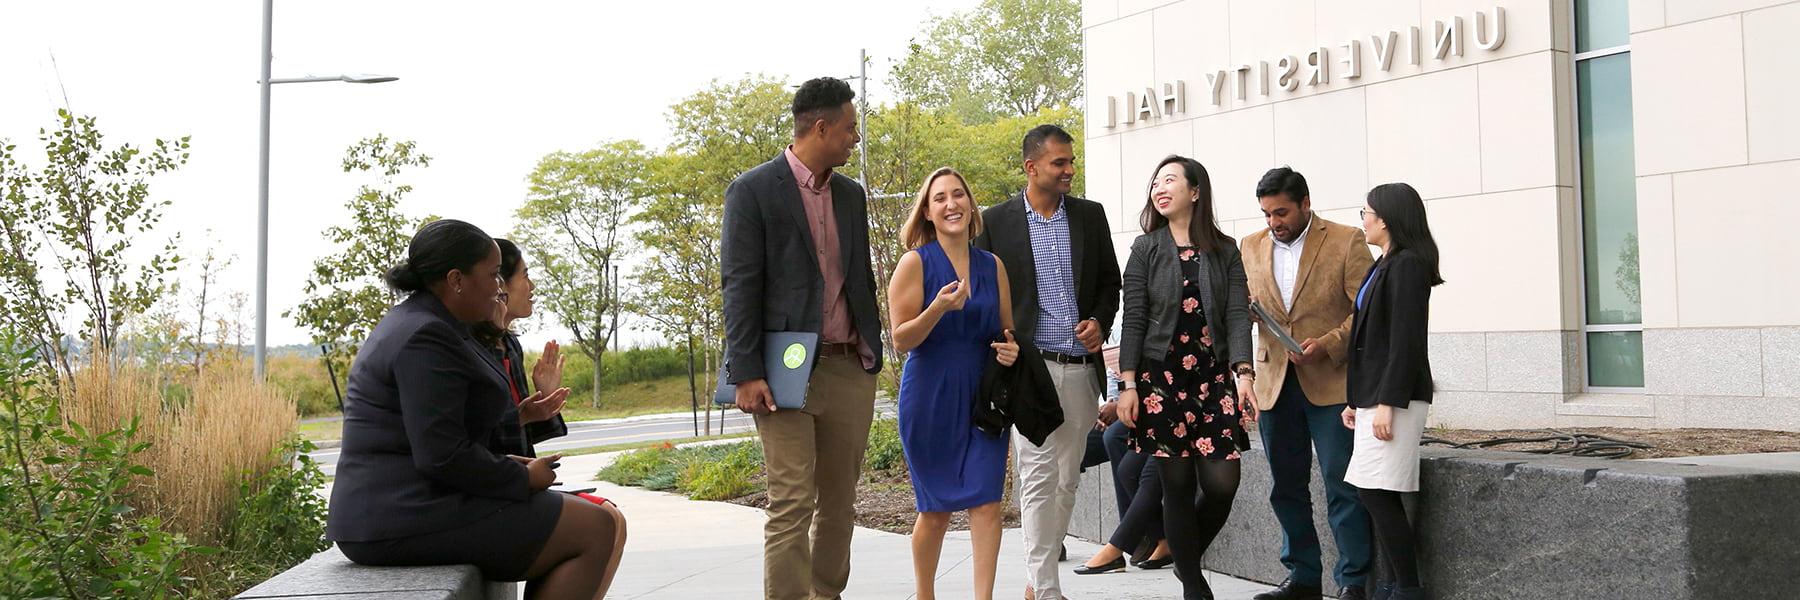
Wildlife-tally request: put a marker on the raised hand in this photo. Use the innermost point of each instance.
(547, 373)
(542, 405)
(951, 297)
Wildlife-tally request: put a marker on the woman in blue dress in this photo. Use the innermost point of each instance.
(951, 313)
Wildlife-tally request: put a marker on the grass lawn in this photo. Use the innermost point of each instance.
(641, 398)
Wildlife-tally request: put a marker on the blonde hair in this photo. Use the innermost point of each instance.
(918, 230)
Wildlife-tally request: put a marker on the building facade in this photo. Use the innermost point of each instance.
(1611, 182)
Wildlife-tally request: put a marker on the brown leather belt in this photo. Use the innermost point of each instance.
(843, 349)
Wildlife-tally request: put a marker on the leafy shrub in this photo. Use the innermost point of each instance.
(280, 521)
(70, 528)
(632, 468)
(885, 452)
(726, 477)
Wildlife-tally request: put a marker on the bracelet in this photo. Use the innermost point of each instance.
(1247, 371)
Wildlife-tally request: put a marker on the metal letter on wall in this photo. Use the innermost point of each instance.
(1243, 81)
(1483, 38)
(1445, 41)
(1384, 48)
(1174, 98)
(1216, 79)
(1147, 106)
(1320, 61)
(1414, 46)
(1130, 108)
(1288, 65)
(1352, 59)
(1112, 112)
(1263, 77)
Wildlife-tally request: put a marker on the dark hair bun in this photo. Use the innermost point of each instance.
(403, 279)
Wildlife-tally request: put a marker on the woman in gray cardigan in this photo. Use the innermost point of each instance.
(1184, 360)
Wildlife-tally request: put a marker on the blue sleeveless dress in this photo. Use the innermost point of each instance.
(954, 465)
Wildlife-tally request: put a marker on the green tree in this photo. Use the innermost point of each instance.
(80, 214)
(346, 294)
(1001, 58)
(571, 224)
(718, 133)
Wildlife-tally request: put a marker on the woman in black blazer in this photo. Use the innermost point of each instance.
(1389, 384)
(529, 423)
(416, 483)
(1184, 361)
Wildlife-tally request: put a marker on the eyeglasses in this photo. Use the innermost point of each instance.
(1363, 213)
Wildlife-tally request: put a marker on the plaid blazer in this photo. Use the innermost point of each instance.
(510, 437)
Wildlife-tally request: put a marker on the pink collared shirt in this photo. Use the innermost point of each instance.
(815, 195)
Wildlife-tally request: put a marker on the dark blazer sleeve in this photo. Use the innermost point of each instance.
(742, 274)
(1237, 308)
(985, 241)
(434, 392)
(1108, 281)
(1136, 286)
(1407, 294)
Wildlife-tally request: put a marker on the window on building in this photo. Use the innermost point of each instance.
(1612, 324)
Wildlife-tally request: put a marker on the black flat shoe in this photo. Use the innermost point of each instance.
(1117, 564)
(1152, 564)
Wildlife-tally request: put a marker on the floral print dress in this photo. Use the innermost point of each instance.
(1186, 402)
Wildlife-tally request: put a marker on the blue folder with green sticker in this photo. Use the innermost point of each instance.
(788, 358)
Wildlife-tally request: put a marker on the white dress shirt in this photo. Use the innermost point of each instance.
(1287, 263)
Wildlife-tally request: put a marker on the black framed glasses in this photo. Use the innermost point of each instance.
(1363, 213)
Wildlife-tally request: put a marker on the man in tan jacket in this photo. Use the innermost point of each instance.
(1305, 272)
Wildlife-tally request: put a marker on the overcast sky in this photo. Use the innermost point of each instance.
(486, 88)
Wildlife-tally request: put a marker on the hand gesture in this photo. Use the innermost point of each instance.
(1349, 417)
(754, 397)
(1128, 407)
(547, 373)
(1088, 333)
(1006, 352)
(1311, 352)
(1109, 412)
(541, 471)
(952, 297)
(542, 405)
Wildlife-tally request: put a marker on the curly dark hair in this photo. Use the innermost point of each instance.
(821, 98)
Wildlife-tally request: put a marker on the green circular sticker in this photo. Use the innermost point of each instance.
(794, 356)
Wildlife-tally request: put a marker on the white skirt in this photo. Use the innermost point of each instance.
(1393, 464)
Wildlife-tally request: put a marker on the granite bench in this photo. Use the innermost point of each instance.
(1515, 525)
(328, 575)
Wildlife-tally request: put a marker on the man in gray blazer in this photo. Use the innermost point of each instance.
(795, 254)
(1064, 303)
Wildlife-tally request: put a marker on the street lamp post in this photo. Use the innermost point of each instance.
(262, 180)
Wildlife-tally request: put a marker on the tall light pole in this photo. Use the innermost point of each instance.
(262, 180)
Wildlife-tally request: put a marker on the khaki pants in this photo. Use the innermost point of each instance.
(814, 458)
(1049, 474)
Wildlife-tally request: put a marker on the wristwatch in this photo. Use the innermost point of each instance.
(1127, 385)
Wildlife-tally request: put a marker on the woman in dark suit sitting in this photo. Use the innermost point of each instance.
(416, 484)
(1389, 384)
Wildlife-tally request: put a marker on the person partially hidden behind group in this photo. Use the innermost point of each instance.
(416, 483)
(525, 424)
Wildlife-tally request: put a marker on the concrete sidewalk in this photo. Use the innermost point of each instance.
(679, 548)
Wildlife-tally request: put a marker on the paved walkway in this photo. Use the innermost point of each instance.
(679, 548)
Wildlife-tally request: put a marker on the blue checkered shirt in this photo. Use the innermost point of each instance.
(1050, 249)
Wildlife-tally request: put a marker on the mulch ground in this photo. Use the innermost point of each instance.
(884, 501)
